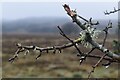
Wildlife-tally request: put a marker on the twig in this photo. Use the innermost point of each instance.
(73, 15)
(96, 65)
(74, 44)
(106, 32)
(84, 57)
(59, 48)
(88, 21)
(107, 13)
(86, 37)
(16, 54)
(28, 48)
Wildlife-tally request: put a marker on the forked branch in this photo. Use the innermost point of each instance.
(27, 49)
(87, 36)
(73, 15)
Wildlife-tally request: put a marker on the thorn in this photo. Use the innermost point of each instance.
(60, 51)
(80, 61)
(90, 20)
(114, 9)
(11, 59)
(38, 56)
(19, 45)
(78, 54)
(85, 23)
(47, 51)
(106, 11)
(26, 52)
(34, 48)
(93, 66)
(73, 21)
(40, 50)
(54, 49)
(97, 23)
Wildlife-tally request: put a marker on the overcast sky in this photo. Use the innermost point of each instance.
(14, 10)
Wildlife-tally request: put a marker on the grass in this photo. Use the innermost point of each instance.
(65, 65)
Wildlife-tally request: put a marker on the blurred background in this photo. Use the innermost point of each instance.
(36, 24)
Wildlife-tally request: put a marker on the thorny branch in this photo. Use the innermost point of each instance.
(89, 39)
(73, 15)
(108, 13)
(27, 49)
(86, 36)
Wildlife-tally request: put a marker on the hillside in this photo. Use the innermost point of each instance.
(46, 25)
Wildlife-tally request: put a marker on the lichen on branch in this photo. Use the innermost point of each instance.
(86, 37)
